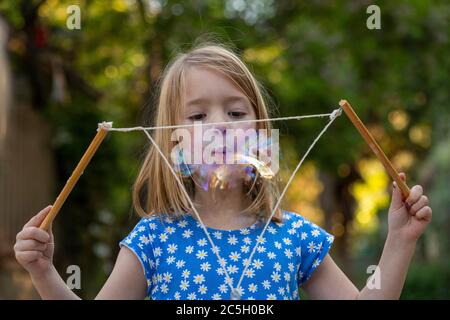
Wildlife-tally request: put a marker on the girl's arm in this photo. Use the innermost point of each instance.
(329, 282)
(126, 281)
(34, 251)
(407, 221)
(51, 286)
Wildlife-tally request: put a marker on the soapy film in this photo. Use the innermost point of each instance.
(223, 176)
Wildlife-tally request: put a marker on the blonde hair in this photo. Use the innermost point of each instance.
(155, 182)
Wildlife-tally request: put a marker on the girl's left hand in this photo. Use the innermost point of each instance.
(408, 219)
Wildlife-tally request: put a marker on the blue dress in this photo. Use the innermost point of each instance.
(179, 263)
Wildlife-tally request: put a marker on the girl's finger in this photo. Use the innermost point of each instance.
(423, 201)
(424, 214)
(37, 219)
(30, 245)
(396, 202)
(414, 195)
(33, 233)
(50, 231)
(28, 256)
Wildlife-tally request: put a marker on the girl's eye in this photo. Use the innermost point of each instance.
(197, 117)
(236, 114)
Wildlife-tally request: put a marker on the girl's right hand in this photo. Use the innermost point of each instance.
(34, 247)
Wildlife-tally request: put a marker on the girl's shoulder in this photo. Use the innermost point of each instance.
(296, 224)
(295, 220)
(158, 223)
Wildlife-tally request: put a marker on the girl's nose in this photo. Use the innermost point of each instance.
(221, 123)
(222, 128)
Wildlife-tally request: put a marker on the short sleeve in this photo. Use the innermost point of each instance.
(315, 243)
(139, 241)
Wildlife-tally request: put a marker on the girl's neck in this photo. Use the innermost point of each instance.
(222, 209)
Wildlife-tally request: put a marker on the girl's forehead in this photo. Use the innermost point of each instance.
(204, 83)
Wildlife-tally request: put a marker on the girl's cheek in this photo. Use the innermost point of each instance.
(248, 134)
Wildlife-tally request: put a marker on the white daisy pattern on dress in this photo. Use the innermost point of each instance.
(179, 263)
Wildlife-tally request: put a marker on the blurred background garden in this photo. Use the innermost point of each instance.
(57, 83)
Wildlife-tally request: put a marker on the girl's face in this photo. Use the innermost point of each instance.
(212, 97)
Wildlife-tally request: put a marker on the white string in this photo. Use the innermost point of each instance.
(140, 128)
(234, 295)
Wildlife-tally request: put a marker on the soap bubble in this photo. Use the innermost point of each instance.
(248, 164)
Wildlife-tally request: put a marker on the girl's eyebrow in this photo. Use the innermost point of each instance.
(235, 98)
(197, 101)
(229, 99)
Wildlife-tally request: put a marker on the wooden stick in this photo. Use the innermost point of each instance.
(89, 153)
(374, 146)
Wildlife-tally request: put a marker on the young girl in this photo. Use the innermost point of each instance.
(170, 255)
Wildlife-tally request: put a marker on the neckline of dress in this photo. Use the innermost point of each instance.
(239, 231)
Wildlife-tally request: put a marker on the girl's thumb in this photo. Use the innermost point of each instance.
(397, 197)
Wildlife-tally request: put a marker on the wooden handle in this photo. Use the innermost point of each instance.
(374, 146)
(89, 153)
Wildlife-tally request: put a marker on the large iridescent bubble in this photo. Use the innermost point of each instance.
(245, 164)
